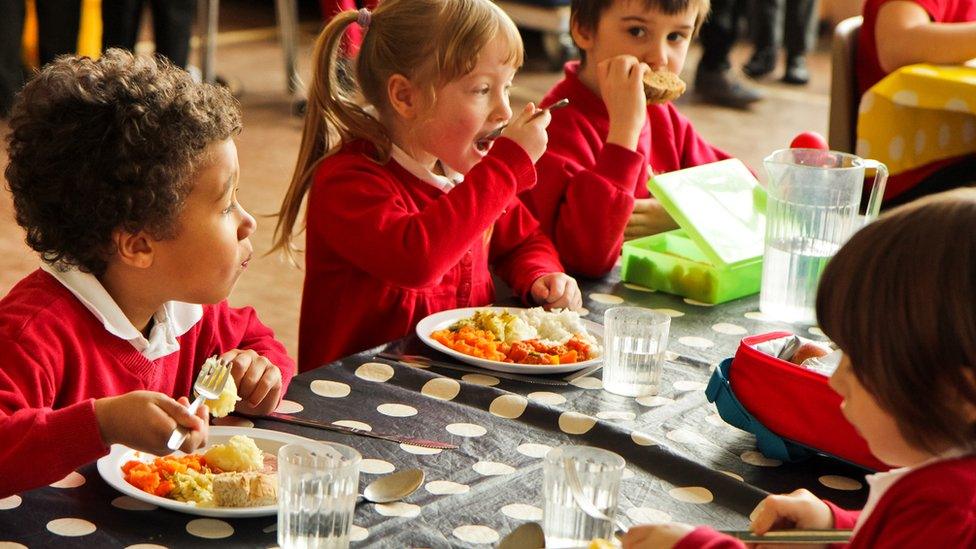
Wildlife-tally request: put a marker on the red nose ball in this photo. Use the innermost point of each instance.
(809, 140)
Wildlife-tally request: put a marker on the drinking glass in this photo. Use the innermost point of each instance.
(317, 487)
(599, 472)
(635, 340)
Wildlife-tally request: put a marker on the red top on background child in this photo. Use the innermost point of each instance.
(124, 174)
(908, 382)
(410, 206)
(592, 191)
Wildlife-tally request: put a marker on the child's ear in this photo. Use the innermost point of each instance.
(133, 249)
(403, 95)
(583, 37)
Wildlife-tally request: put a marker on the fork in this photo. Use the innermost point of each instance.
(576, 489)
(208, 386)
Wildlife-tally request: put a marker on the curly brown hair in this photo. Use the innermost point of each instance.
(111, 143)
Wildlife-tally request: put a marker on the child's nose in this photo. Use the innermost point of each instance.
(503, 109)
(247, 226)
(657, 57)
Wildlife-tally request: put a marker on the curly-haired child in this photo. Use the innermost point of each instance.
(124, 175)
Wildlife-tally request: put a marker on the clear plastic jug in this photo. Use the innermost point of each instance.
(812, 209)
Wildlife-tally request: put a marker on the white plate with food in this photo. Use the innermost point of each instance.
(246, 487)
(515, 340)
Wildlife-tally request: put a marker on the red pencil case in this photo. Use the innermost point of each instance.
(776, 399)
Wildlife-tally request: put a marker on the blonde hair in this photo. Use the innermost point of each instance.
(430, 42)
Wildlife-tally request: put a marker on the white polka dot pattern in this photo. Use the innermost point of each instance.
(691, 494)
(466, 429)
(289, 407)
(145, 546)
(132, 504)
(697, 303)
(11, 502)
(508, 406)
(673, 313)
(755, 458)
(574, 423)
(376, 466)
(642, 439)
(626, 474)
(475, 533)
(696, 342)
(687, 385)
(545, 397)
(445, 487)
(357, 533)
(733, 475)
(492, 468)
(587, 382)
(12, 545)
(353, 424)
(607, 299)
(396, 410)
(653, 400)
(729, 329)
(522, 511)
(534, 450)
(397, 509)
(70, 527)
(441, 388)
(637, 287)
(685, 436)
(838, 482)
(419, 450)
(480, 379)
(646, 515)
(72, 480)
(330, 389)
(375, 371)
(615, 415)
(210, 529)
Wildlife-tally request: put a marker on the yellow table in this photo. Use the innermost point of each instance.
(917, 115)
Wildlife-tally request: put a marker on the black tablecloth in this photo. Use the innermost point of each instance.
(683, 462)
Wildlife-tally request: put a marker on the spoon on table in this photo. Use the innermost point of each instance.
(393, 487)
(527, 536)
(498, 131)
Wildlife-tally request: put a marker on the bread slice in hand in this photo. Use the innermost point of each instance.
(245, 489)
(662, 86)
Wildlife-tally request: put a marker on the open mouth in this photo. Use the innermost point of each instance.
(246, 261)
(484, 142)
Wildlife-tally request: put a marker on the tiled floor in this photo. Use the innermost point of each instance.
(269, 145)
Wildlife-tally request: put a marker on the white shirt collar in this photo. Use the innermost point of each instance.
(443, 182)
(172, 320)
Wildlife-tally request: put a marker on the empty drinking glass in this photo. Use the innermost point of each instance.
(317, 487)
(564, 523)
(635, 340)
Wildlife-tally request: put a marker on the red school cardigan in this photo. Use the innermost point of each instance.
(384, 249)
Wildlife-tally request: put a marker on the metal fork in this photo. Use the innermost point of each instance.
(576, 489)
(208, 386)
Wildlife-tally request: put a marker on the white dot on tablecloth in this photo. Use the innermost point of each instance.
(145, 546)
(626, 474)
(393, 409)
(11, 502)
(466, 430)
(481, 379)
(330, 389)
(70, 527)
(522, 511)
(697, 303)
(867, 102)
(729, 329)
(444, 487)
(414, 364)
(375, 371)
(270, 528)
(613, 415)
(357, 533)
(696, 342)
(583, 311)
(210, 528)
(233, 421)
(641, 439)
(475, 533)
(685, 436)
(862, 148)
(441, 388)
(756, 315)
(691, 494)
(919, 141)
(716, 420)
(673, 313)
(419, 450)
(646, 515)
(508, 406)
(534, 450)
(132, 504)
(733, 475)
(907, 98)
(289, 407)
(957, 104)
(374, 466)
(838, 482)
(945, 136)
(545, 397)
(896, 147)
(816, 331)
(587, 382)
(637, 287)
(353, 424)
(607, 299)
(12, 545)
(574, 423)
(397, 509)
(492, 468)
(968, 131)
(72, 480)
(653, 400)
(755, 458)
(688, 385)
(671, 356)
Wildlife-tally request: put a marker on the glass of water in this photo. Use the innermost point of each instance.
(599, 472)
(317, 487)
(634, 343)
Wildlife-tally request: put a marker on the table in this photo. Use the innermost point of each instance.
(918, 115)
(683, 462)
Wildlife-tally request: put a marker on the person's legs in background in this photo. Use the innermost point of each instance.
(120, 23)
(11, 66)
(58, 22)
(801, 37)
(172, 29)
(766, 28)
(713, 83)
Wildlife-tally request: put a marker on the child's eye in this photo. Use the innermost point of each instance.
(676, 37)
(230, 208)
(637, 32)
(483, 90)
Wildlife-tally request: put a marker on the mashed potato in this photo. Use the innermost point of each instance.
(240, 454)
(228, 399)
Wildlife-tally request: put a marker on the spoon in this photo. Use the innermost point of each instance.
(498, 131)
(527, 536)
(392, 487)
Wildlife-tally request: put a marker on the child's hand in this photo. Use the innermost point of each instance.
(144, 420)
(258, 382)
(655, 536)
(798, 509)
(621, 81)
(557, 291)
(528, 132)
(648, 218)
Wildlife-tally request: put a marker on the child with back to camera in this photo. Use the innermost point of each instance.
(898, 300)
(592, 191)
(407, 204)
(124, 175)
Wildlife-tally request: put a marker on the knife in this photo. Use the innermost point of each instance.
(793, 537)
(283, 418)
(470, 369)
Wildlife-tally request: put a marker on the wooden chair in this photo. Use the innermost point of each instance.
(844, 94)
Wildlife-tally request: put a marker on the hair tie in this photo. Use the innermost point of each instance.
(364, 18)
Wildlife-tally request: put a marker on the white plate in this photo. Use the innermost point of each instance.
(443, 319)
(110, 467)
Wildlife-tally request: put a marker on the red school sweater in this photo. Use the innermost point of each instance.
(933, 506)
(587, 187)
(384, 249)
(58, 358)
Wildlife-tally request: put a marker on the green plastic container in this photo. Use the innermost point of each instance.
(716, 255)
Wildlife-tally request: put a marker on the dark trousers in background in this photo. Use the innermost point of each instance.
(793, 22)
(172, 26)
(719, 34)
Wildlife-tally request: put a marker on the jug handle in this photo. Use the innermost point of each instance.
(877, 191)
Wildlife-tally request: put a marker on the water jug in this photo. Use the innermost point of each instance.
(812, 209)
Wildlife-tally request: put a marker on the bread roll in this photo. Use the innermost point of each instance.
(245, 489)
(662, 86)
